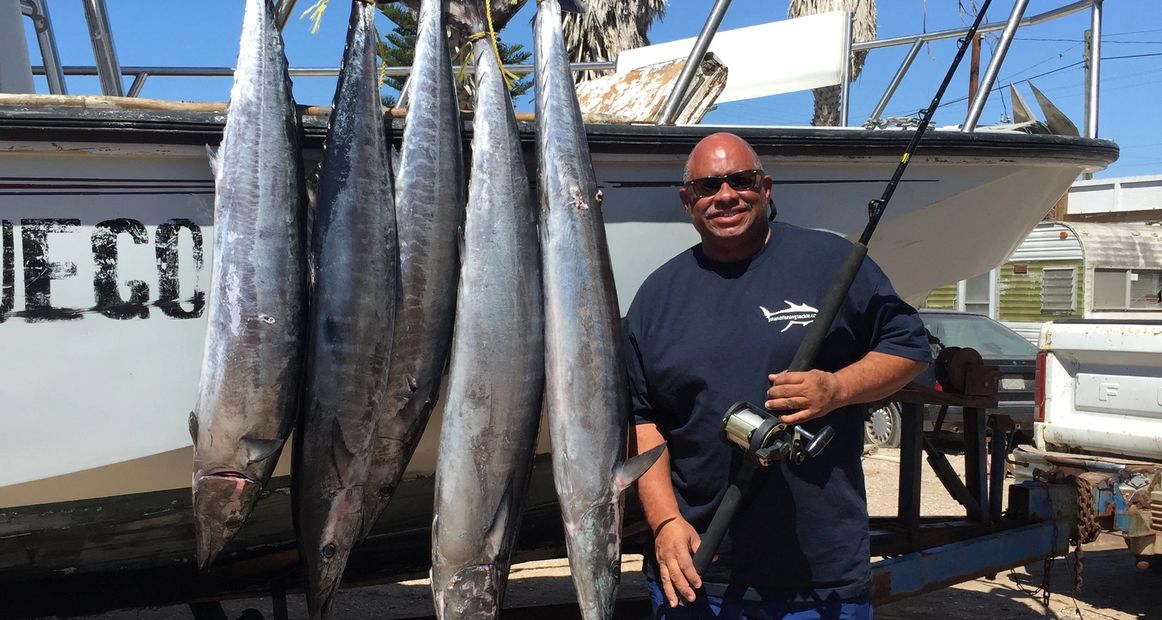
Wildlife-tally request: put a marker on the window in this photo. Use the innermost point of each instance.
(1127, 289)
(1058, 289)
(976, 293)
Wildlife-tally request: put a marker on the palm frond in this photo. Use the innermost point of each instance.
(609, 27)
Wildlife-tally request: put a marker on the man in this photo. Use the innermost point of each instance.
(715, 325)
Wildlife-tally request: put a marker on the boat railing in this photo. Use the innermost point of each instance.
(108, 70)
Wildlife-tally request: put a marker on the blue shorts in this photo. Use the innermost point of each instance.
(709, 607)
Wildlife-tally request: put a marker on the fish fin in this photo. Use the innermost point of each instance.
(259, 449)
(573, 6)
(193, 427)
(494, 537)
(341, 455)
(460, 242)
(213, 159)
(632, 468)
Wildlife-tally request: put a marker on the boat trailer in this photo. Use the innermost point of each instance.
(919, 553)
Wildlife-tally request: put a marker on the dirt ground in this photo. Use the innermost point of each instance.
(1113, 587)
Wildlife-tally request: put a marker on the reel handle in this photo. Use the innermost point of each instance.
(810, 445)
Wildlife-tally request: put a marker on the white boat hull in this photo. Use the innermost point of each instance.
(107, 255)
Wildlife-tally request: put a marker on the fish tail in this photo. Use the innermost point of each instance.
(569, 6)
(470, 16)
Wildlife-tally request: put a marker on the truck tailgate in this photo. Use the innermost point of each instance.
(1103, 389)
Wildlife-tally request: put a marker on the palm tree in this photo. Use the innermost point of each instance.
(863, 28)
(608, 28)
(397, 49)
(603, 31)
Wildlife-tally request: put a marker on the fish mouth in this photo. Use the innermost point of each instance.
(319, 601)
(471, 592)
(228, 473)
(223, 498)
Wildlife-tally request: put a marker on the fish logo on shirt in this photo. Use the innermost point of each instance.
(793, 314)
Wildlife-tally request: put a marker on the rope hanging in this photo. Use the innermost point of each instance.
(315, 11)
(509, 77)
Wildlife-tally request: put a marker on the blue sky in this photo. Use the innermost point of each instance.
(145, 33)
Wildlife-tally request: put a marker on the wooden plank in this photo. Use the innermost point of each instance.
(640, 95)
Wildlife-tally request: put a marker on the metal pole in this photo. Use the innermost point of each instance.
(897, 78)
(845, 85)
(295, 71)
(678, 95)
(104, 55)
(1093, 72)
(990, 74)
(138, 84)
(53, 73)
(1039, 18)
(284, 12)
(974, 68)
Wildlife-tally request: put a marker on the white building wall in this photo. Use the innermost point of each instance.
(1141, 193)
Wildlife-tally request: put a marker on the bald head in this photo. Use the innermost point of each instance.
(718, 146)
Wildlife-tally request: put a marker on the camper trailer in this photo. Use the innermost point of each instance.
(1068, 270)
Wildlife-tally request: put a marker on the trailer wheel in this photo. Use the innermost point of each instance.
(882, 426)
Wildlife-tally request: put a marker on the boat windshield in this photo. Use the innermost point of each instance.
(989, 338)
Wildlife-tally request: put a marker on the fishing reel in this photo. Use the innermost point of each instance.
(763, 437)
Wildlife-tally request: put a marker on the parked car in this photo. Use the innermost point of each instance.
(998, 345)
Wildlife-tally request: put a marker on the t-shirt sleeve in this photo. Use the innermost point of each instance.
(896, 327)
(641, 410)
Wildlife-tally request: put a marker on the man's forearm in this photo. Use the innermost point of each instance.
(875, 377)
(655, 489)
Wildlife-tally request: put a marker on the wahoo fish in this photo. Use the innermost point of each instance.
(252, 365)
(353, 311)
(496, 377)
(429, 199)
(586, 399)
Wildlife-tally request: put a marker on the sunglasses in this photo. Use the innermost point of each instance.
(741, 181)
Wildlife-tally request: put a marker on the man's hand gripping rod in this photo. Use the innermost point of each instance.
(758, 432)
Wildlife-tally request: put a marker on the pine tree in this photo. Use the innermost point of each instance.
(397, 49)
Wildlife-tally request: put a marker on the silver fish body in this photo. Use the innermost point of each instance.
(585, 393)
(254, 351)
(496, 378)
(430, 196)
(352, 318)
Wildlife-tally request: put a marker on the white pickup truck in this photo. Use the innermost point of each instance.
(1098, 412)
(1100, 388)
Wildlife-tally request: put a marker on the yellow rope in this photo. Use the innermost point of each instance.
(316, 13)
(381, 57)
(466, 55)
(509, 77)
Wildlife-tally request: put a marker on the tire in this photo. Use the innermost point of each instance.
(882, 426)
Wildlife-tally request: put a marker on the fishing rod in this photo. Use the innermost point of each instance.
(759, 433)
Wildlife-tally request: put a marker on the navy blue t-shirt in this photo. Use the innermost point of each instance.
(701, 336)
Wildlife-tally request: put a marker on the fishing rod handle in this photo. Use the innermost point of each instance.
(723, 516)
